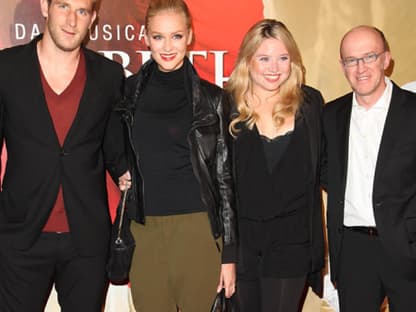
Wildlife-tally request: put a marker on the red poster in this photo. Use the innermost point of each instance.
(219, 27)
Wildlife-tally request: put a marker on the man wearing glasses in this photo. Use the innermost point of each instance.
(369, 172)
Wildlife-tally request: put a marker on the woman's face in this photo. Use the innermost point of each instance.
(168, 38)
(270, 66)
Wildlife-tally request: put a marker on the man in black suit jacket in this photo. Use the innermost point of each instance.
(56, 99)
(369, 172)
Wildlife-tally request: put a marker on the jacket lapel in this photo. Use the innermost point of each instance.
(312, 122)
(250, 149)
(89, 90)
(343, 117)
(395, 119)
(34, 88)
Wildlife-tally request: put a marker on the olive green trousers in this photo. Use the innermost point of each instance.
(176, 264)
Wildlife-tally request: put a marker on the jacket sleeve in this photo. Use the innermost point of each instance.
(1, 132)
(324, 158)
(113, 144)
(225, 184)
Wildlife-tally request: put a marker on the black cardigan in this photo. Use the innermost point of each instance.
(311, 110)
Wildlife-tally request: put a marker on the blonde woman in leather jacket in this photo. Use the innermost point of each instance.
(182, 198)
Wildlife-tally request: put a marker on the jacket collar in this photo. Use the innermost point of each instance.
(343, 117)
(393, 121)
(396, 118)
(33, 75)
(310, 112)
(201, 111)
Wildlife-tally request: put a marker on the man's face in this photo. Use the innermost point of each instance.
(367, 76)
(67, 22)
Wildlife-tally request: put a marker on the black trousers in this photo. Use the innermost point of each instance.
(268, 294)
(272, 266)
(27, 277)
(367, 274)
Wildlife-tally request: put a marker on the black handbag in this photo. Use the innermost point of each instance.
(121, 246)
(223, 304)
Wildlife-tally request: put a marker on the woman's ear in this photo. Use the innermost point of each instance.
(190, 37)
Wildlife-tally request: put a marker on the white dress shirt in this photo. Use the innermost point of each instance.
(366, 129)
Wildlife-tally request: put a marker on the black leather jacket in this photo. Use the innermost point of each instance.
(209, 152)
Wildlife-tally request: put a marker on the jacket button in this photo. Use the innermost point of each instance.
(63, 153)
(379, 204)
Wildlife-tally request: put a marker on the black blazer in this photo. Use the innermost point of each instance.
(311, 110)
(37, 164)
(394, 191)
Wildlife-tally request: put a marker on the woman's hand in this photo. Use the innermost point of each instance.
(227, 279)
(124, 181)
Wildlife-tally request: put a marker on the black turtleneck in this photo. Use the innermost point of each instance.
(162, 121)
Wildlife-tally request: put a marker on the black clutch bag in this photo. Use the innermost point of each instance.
(223, 304)
(121, 246)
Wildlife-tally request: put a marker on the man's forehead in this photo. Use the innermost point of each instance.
(82, 3)
(362, 40)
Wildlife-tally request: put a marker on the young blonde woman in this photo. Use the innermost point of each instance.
(277, 132)
(182, 199)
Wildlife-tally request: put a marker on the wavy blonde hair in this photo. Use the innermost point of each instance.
(240, 84)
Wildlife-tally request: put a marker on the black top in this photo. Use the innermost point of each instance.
(275, 148)
(163, 120)
(265, 194)
(273, 177)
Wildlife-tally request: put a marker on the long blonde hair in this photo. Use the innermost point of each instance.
(240, 85)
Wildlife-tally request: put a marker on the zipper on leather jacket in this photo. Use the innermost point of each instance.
(128, 119)
(208, 120)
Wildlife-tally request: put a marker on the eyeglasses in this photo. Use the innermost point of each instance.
(353, 61)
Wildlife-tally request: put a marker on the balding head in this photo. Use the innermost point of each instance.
(364, 33)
